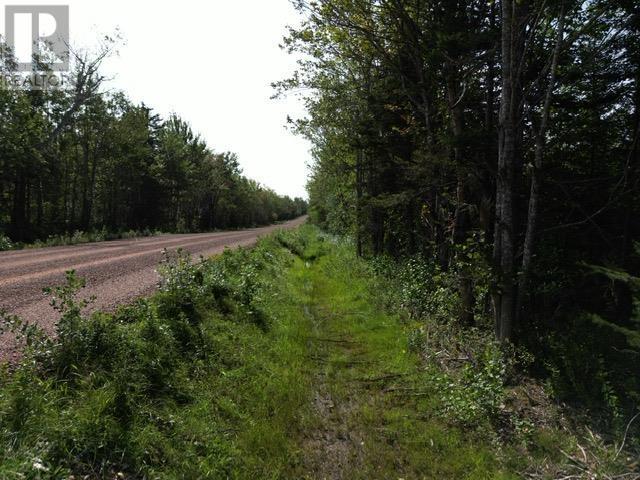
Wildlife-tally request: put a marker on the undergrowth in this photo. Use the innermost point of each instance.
(76, 238)
(292, 359)
(169, 387)
(484, 386)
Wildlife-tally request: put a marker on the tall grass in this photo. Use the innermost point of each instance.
(153, 390)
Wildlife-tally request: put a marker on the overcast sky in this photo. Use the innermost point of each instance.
(212, 62)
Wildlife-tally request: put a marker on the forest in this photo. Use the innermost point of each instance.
(89, 159)
(495, 145)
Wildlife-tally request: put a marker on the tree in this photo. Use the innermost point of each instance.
(434, 123)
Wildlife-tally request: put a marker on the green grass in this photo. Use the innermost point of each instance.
(277, 362)
(200, 381)
(380, 423)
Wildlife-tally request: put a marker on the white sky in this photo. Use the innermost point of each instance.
(211, 62)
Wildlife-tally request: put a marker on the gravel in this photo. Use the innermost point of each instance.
(117, 272)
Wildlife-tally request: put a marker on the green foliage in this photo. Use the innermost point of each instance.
(468, 368)
(118, 393)
(79, 237)
(473, 395)
(479, 385)
(425, 290)
(294, 242)
(594, 358)
(5, 243)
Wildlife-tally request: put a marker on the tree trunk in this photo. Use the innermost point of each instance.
(40, 206)
(359, 185)
(74, 191)
(18, 227)
(534, 195)
(461, 220)
(85, 212)
(504, 251)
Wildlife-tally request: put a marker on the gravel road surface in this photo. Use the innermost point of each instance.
(116, 272)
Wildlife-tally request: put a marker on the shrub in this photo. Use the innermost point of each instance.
(5, 243)
(474, 393)
(418, 287)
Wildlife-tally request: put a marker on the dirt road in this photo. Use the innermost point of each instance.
(116, 272)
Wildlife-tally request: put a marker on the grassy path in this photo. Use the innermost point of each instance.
(368, 412)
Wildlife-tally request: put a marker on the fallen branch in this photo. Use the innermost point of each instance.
(626, 432)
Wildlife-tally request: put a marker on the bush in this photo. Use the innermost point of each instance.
(473, 394)
(5, 243)
(468, 369)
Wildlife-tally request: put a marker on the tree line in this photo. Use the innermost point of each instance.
(84, 158)
(499, 140)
